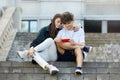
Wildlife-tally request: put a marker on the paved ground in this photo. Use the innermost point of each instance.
(28, 71)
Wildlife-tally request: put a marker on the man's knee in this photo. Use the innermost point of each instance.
(78, 51)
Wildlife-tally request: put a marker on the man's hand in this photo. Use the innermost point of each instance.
(72, 42)
(31, 52)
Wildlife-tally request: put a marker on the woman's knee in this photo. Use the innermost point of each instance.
(50, 40)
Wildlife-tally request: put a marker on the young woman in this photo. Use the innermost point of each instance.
(43, 48)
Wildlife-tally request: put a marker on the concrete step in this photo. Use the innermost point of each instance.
(28, 71)
(104, 49)
(94, 39)
(101, 64)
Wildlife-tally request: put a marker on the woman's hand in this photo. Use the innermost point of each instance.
(76, 28)
(31, 52)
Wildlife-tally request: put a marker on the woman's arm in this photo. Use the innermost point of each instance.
(40, 37)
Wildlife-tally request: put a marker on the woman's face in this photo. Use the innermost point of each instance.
(58, 22)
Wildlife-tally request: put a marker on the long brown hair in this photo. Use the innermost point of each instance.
(53, 29)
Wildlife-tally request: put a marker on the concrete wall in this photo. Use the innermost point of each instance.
(44, 10)
(102, 9)
(3, 3)
(7, 3)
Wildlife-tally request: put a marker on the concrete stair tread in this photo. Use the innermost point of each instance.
(65, 67)
(104, 48)
(28, 71)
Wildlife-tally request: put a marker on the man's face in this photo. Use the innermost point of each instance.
(69, 25)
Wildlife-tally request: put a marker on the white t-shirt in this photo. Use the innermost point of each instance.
(78, 36)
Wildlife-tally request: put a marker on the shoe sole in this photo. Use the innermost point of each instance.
(85, 54)
(54, 72)
(78, 73)
(19, 55)
(90, 49)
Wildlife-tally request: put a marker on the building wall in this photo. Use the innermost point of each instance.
(3, 3)
(106, 8)
(104, 11)
(44, 10)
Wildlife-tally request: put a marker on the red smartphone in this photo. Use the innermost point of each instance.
(65, 40)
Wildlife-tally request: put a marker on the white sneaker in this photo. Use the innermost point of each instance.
(53, 70)
(78, 71)
(22, 54)
(85, 54)
(89, 49)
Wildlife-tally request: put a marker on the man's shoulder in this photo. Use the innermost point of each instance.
(63, 29)
(79, 31)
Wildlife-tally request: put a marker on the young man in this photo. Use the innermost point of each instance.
(70, 44)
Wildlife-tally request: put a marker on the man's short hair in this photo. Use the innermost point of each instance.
(67, 17)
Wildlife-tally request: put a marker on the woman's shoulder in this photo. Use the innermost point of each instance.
(45, 27)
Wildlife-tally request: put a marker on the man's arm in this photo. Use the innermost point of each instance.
(66, 46)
